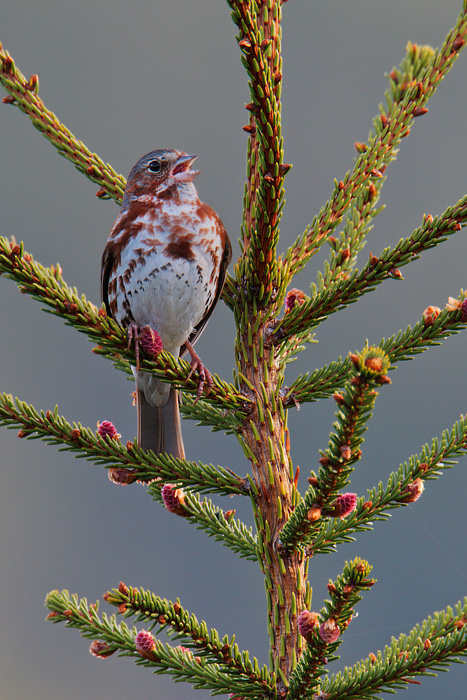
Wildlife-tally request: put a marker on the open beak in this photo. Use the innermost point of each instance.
(181, 172)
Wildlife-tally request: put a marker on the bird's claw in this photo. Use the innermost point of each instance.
(205, 376)
(133, 337)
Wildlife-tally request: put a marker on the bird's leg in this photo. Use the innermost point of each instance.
(205, 376)
(133, 337)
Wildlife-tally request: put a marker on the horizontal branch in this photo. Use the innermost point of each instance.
(443, 453)
(47, 286)
(111, 453)
(378, 269)
(355, 408)
(403, 346)
(177, 662)
(24, 95)
(178, 624)
(429, 647)
(374, 159)
(215, 522)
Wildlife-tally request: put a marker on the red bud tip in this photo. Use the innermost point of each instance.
(384, 121)
(101, 650)
(371, 190)
(329, 631)
(360, 147)
(374, 363)
(244, 44)
(430, 314)
(355, 360)
(101, 193)
(9, 100)
(413, 490)
(345, 452)
(458, 43)
(313, 514)
(52, 616)
(395, 272)
(249, 128)
(460, 624)
(453, 304)
(70, 307)
(121, 476)
(420, 111)
(294, 297)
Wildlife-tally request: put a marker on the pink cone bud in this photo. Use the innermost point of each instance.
(329, 631)
(430, 314)
(145, 645)
(453, 304)
(106, 429)
(121, 476)
(464, 310)
(101, 650)
(413, 490)
(306, 622)
(344, 505)
(294, 296)
(173, 499)
(150, 341)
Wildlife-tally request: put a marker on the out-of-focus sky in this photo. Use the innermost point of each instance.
(130, 77)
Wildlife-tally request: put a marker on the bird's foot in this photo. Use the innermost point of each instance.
(133, 337)
(205, 377)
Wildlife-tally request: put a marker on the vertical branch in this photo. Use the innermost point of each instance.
(260, 41)
(261, 283)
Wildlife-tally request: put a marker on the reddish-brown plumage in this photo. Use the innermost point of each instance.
(164, 267)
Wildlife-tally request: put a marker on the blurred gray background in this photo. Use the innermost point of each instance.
(130, 77)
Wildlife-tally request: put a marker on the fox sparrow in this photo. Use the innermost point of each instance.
(164, 267)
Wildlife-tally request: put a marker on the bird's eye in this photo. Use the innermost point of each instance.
(155, 166)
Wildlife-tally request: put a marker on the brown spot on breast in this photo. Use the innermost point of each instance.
(180, 247)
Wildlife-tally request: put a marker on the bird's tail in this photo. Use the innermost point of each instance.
(159, 427)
